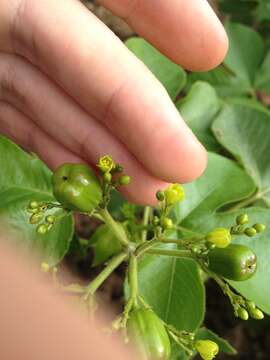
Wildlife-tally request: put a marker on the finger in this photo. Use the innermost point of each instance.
(188, 32)
(94, 67)
(85, 137)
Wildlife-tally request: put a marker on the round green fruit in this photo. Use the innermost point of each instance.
(76, 187)
(147, 332)
(235, 262)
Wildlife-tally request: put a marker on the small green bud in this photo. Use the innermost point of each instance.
(242, 314)
(237, 229)
(124, 180)
(33, 205)
(250, 231)
(250, 305)
(32, 211)
(107, 177)
(242, 219)
(207, 349)
(259, 227)
(42, 229)
(36, 218)
(50, 219)
(155, 221)
(195, 249)
(45, 267)
(160, 195)
(166, 223)
(221, 237)
(118, 168)
(174, 193)
(256, 314)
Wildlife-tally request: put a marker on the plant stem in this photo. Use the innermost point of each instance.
(146, 215)
(116, 228)
(105, 273)
(133, 280)
(146, 246)
(169, 252)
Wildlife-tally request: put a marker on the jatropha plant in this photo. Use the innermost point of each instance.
(77, 188)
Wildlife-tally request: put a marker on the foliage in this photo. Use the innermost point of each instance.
(224, 108)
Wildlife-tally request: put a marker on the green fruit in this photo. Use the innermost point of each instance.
(148, 333)
(104, 244)
(76, 187)
(235, 262)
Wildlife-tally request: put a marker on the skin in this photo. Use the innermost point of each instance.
(71, 91)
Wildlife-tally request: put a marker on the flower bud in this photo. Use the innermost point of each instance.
(221, 237)
(250, 231)
(36, 218)
(107, 177)
(50, 219)
(207, 349)
(160, 195)
(155, 221)
(242, 314)
(166, 223)
(250, 305)
(242, 219)
(124, 180)
(174, 193)
(33, 205)
(259, 227)
(42, 229)
(118, 168)
(256, 314)
(106, 164)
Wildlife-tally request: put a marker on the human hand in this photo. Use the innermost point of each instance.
(71, 91)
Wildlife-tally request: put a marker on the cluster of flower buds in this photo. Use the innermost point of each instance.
(173, 194)
(108, 168)
(240, 227)
(38, 214)
(245, 309)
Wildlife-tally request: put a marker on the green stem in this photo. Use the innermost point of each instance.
(116, 228)
(169, 252)
(146, 246)
(105, 273)
(133, 279)
(146, 216)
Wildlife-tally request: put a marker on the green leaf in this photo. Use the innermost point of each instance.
(245, 132)
(223, 182)
(23, 178)
(262, 81)
(224, 346)
(104, 244)
(262, 12)
(173, 288)
(172, 76)
(198, 109)
(237, 75)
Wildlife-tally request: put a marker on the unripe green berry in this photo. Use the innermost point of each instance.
(33, 205)
(256, 314)
(242, 219)
(107, 177)
(42, 229)
(155, 221)
(250, 231)
(166, 223)
(124, 180)
(160, 195)
(259, 227)
(50, 219)
(242, 314)
(36, 218)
